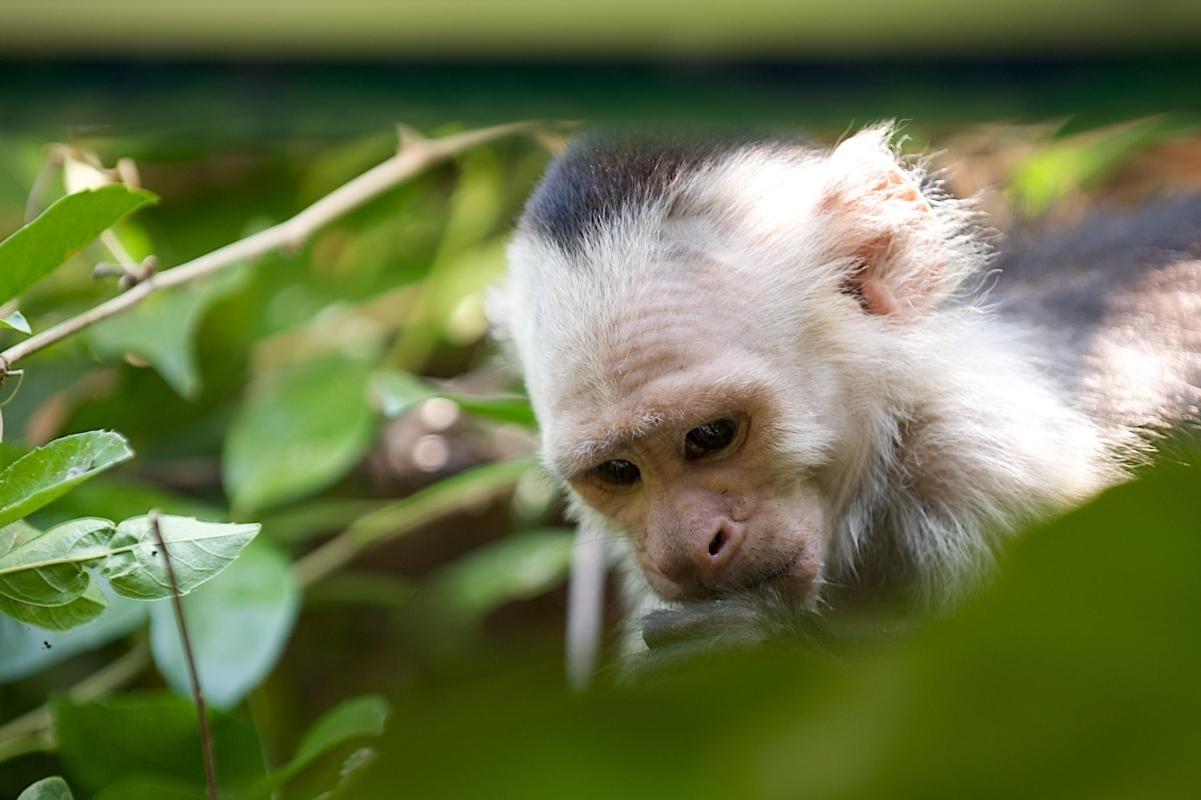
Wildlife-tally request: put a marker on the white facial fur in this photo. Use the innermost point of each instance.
(818, 298)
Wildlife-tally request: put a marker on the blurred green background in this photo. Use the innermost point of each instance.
(283, 392)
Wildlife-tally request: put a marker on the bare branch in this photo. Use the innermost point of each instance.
(206, 737)
(416, 156)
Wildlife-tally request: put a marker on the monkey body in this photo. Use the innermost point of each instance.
(774, 370)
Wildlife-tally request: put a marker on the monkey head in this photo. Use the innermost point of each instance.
(709, 335)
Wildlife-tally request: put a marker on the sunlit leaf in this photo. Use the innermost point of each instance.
(16, 322)
(135, 567)
(238, 624)
(162, 330)
(303, 431)
(60, 231)
(1080, 162)
(400, 391)
(48, 789)
(50, 471)
(150, 734)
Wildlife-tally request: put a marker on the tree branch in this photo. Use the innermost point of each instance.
(416, 155)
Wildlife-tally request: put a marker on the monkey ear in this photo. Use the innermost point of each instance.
(880, 222)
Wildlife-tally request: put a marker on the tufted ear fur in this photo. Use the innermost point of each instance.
(905, 244)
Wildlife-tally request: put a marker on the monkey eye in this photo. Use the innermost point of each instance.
(617, 472)
(710, 437)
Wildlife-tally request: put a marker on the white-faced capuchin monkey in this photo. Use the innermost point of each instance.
(789, 378)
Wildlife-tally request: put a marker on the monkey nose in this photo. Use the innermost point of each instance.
(703, 558)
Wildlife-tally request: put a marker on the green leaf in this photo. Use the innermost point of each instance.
(351, 719)
(238, 624)
(141, 787)
(46, 569)
(49, 569)
(47, 473)
(25, 650)
(517, 567)
(80, 611)
(16, 322)
(48, 789)
(303, 431)
(400, 391)
(60, 232)
(162, 330)
(199, 551)
(152, 734)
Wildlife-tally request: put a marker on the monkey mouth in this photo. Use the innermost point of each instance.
(789, 578)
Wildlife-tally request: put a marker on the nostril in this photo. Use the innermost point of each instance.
(718, 542)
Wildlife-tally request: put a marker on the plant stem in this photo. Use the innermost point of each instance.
(206, 736)
(416, 155)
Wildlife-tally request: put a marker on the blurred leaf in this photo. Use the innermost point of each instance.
(140, 787)
(16, 322)
(121, 497)
(47, 789)
(357, 588)
(52, 470)
(467, 261)
(297, 523)
(1074, 675)
(352, 719)
(1079, 162)
(303, 431)
(60, 231)
(459, 490)
(238, 624)
(199, 551)
(83, 609)
(161, 330)
(400, 391)
(518, 567)
(25, 650)
(151, 734)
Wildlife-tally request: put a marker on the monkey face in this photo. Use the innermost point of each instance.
(703, 466)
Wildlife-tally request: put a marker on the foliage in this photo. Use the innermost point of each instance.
(340, 394)
(269, 371)
(61, 231)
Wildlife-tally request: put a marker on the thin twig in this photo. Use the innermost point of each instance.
(206, 737)
(402, 517)
(417, 155)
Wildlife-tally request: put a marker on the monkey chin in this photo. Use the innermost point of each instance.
(800, 581)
